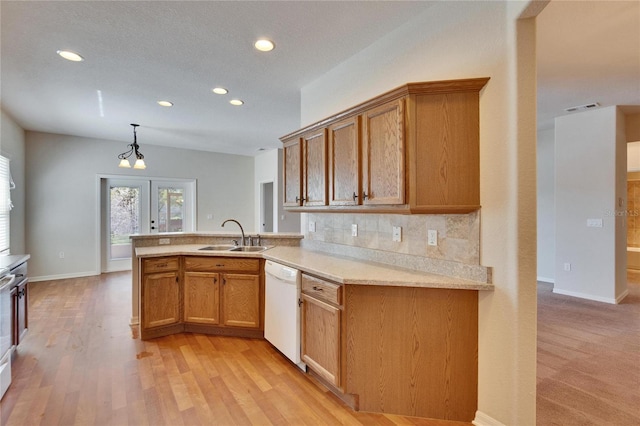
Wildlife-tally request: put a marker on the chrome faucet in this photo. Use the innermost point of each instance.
(241, 230)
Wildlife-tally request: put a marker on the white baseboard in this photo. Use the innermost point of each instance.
(588, 296)
(622, 296)
(62, 276)
(483, 419)
(547, 280)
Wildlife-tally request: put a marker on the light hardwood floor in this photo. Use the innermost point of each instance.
(588, 359)
(79, 365)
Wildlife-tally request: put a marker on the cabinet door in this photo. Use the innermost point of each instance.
(344, 162)
(314, 169)
(160, 299)
(241, 300)
(292, 173)
(321, 338)
(383, 153)
(202, 297)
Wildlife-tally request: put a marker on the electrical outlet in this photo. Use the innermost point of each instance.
(397, 234)
(567, 267)
(163, 241)
(209, 216)
(354, 230)
(312, 227)
(61, 255)
(432, 237)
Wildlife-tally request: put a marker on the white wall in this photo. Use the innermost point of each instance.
(588, 186)
(62, 204)
(461, 40)
(546, 205)
(268, 168)
(12, 146)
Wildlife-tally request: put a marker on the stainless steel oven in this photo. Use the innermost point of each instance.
(7, 282)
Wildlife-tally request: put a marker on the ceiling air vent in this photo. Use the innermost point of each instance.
(582, 107)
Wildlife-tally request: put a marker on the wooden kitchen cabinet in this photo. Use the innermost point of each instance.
(383, 154)
(292, 172)
(420, 149)
(314, 168)
(321, 329)
(239, 295)
(344, 162)
(201, 297)
(161, 298)
(241, 300)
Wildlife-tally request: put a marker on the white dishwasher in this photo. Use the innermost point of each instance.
(282, 310)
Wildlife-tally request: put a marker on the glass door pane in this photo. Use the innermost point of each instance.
(125, 219)
(173, 206)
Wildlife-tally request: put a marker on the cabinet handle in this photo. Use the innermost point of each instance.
(316, 288)
(220, 265)
(161, 265)
(355, 196)
(299, 200)
(300, 302)
(224, 281)
(215, 280)
(365, 196)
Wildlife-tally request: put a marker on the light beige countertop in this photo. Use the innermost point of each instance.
(338, 269)
(352, 271)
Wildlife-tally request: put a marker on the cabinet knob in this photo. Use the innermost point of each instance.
(316, 288)
(215, 280)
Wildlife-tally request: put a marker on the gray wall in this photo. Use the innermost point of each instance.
(590, 149)
(546, 205)
(62, 200)
(12, 147)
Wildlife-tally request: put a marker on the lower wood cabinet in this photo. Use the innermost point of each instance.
(202, 297)
(241, 300)
(203, 294)
(321, 328)
(160, 293)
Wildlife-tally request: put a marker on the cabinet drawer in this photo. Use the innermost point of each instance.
(159, 264)
(323, 290)
(211, 264)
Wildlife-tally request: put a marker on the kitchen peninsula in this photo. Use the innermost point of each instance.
(401, 341)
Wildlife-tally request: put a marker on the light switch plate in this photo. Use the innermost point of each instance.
(432, 237)
(397, 234)
(312, 227)
(354, 230)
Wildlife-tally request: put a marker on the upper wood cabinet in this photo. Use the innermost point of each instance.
(414, 149)
(344, 162)
(383, 154)
(314, 168)
(292, 171)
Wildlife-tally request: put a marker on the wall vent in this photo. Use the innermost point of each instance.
(582, 107)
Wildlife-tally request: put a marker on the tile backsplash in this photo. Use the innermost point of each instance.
(457, 253)
(458, 234)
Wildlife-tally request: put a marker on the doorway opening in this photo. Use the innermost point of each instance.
(266, 207)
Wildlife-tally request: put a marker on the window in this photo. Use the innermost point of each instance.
(5, 204)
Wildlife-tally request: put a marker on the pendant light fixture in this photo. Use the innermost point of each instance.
(124, 157)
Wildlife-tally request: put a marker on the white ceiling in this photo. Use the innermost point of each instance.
(139, 52)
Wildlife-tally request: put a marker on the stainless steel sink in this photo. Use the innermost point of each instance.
(249, 248)
(218, 247)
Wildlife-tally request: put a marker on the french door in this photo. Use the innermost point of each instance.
(142, 206)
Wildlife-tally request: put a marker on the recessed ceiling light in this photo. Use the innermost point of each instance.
(70, 56)
(165, 103)
(236, 102)
(220, 91)
(264, 45)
